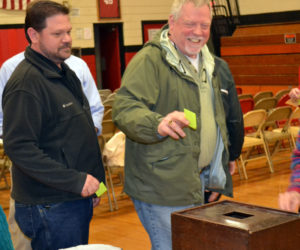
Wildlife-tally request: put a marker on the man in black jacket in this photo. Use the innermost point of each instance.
(49, 135)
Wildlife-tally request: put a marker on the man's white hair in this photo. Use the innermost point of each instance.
(177, 5)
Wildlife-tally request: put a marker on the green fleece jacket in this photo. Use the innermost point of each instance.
(159, 170)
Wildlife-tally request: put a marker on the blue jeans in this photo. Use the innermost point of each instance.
(54, 226)
(157, 222)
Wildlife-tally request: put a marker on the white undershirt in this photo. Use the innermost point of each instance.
(194, 61)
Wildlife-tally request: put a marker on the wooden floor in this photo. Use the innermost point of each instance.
(122, 228)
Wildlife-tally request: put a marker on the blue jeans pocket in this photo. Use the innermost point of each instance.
(56, 225)
(24, 218)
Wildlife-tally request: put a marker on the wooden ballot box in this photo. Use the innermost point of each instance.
(228, 225)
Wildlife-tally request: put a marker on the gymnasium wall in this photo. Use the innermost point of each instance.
(132, 12)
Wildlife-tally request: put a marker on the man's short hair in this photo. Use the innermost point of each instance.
(177, 6)
(38, 11)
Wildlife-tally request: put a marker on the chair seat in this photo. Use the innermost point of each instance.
(294, 131)
(270, 136)
(252, 141)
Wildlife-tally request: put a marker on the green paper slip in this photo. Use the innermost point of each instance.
(102, 189)
(191, 117)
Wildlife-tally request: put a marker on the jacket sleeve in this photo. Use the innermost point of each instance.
(135, 101)
(234, 115)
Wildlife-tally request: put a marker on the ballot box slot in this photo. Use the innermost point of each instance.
(238, 215)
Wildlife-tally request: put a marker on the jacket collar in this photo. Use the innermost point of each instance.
(46, 66)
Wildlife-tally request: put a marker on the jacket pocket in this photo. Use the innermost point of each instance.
(173, 166)
(225, 100)
(64, 158)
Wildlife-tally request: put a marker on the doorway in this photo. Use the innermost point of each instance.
(109, 52)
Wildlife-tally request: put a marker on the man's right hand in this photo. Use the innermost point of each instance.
(289, 201)
(172, 125)
(90, 186)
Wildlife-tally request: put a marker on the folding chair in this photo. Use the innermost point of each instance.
(281, 93)
(247, 105)
(254, 119)
(111, 96)
(113, 156)
(104, 91)
(245, 96)
(107, 115)
(108, 129)
(282, 101)
(108, 102)
(279, 115)
(267, 103)
(293, 126)
(262, 94)
(102, 142)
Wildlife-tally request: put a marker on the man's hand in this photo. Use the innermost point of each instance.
(289, 201)
(232, 167)
(96, 201)
(172, 125)
(90, 186)
(213, 196)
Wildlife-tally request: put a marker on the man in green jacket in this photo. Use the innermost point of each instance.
(167, 161)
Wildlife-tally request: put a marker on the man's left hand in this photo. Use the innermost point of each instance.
(232, 167)
(214, 195)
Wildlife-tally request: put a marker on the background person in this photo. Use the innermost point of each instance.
(295, 94)
(46, 127)
(164, 158)
(290, 200)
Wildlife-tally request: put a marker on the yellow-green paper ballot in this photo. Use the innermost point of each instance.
(102, 189)
(191, 117)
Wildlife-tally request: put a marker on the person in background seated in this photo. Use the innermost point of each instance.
(166, 161)
(47, 125)
(290, 200)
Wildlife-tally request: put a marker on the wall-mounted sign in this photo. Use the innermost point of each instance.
(109, 9)
(150, 28)
(290, 38)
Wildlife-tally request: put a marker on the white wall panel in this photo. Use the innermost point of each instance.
(134, 11)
